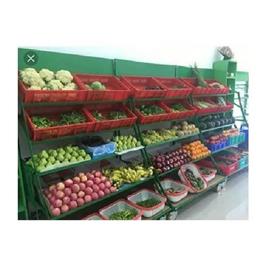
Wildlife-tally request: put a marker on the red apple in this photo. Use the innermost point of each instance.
(58, 203)
(107, 191)
(66, 200)
(68, 182)
(80, 201)
(60, 186)
(95, 188)
(73, 204)
(64, 208)
(67, 191)
(83, 178)
(60, 194)
(100, 193)
(87, 198)
(89, 183)
(56, 211)
(82, 186)
(73, 196)
(76, 179)
(81, 194)
(81, 174)
(98, 174)
(113, 189)
(102, 186)
(88, 190)
(75, 188)
(94, 196)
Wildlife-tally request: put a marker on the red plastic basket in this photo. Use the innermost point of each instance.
(137, 86)
(226, 169)
(110, 124)
(115, 89)
(170, 83)
(29, 95)
(192, 82)
(58, 131)
(191, 110)
(143, 119)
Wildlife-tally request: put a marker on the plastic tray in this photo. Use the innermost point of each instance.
(58, 131)
(29, 95)
(170, 83)
(94, 216)
(115, 89)
(196, 172)
(118, 206)
(97, 151)
(129, 150)
(145, 194)
(217, 146)
(204, 91)
(226, 169)
(183, 114)
(210, 177)
(174, 197)
(154, 118)
(116, 123)
(136, 84)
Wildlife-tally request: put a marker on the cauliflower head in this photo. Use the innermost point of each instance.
(46, 74)
(55, 84)
(29, 74)
(64, 76)
(70, 86)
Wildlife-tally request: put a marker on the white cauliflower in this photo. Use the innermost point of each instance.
(46, 74)
(34, 88)
(29, 74)
(64, 76)
(55, 84)
(70, 86)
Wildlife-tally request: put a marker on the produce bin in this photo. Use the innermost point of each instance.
(226, 169)
(114, 88)
(58, 131)
(143, 119)
(181, 190)
(191, 110)
(98, 151)
(196, 173)
(29, 95)
(208, 177)
(113, 123)
(143, 195)
(217, 146)
(175, 87)
(243, 162)
(118, 206)
(192, 82)
(94, 216)
(137, 85)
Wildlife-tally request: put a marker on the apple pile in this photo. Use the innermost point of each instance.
(175, 159)
(77, 191)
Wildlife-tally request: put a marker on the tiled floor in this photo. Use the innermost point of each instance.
(231, 204)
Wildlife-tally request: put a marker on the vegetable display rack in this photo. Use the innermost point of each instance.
(136, 87)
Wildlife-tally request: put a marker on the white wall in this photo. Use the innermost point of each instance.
(185, 54)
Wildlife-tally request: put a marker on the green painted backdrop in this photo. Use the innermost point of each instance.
(85, 64)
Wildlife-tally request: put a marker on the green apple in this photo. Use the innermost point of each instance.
(57, 162)
(60, 157)
(87, 157)
(44, 154)
(68, 156)
(52, 159)
(80, 158)
(73, 159)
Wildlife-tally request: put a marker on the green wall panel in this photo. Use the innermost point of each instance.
(74, 63)
(182, 71)
(125, 67)
(242, 76)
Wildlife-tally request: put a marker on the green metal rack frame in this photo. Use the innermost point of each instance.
(37, 205)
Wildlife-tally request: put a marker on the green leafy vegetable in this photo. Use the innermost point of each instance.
(127, 214)
(151, 202)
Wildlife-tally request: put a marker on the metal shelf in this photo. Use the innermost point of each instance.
(191, 197)
(105, 198)
(215, 128)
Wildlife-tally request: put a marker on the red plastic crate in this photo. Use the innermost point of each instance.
(180, 115)
(58, 131)
(29, 96)
(115, 89)
(154, 118)
(136, 85)
(203, 91)
(170, 83)
(226, 169)
(110, 124)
